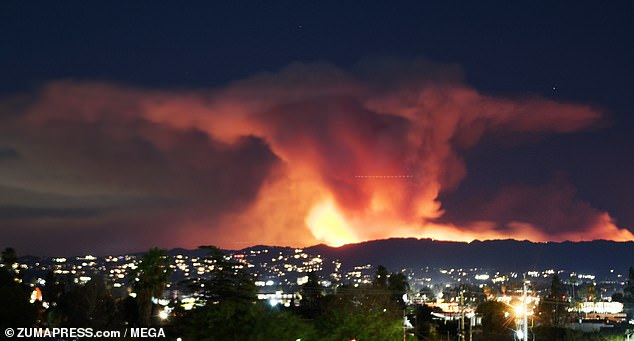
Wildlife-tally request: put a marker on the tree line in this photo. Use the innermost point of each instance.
(230, 310)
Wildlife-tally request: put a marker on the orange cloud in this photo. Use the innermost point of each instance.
(308, 154)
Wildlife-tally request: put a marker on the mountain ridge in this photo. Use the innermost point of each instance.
(503, 254)
(596, 256)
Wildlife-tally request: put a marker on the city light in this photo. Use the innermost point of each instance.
(163, 314)
(519, 334)
(519, 310)
(281, 273)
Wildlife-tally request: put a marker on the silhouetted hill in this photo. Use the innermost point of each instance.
(597, 256)
(594, 256)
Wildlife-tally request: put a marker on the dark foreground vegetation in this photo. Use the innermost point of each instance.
(229, 309)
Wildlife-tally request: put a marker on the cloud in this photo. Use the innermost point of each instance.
(548, 212)
(308, 154)
(21, 212)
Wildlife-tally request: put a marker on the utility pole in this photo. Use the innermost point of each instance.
(462, 316)
(525, 303)
(471, 328)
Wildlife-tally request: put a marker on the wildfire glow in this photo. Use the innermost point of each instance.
(309, 154)
(327, 224)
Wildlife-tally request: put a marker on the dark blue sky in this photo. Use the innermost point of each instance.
(579, 52)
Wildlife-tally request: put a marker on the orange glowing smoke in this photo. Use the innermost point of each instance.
(358, 157)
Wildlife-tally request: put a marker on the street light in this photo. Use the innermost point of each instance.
(163, 315)
(520, 334)
(519, 310)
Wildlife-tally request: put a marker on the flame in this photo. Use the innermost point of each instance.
(328, 224)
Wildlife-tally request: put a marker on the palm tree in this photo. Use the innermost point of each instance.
(150, 278)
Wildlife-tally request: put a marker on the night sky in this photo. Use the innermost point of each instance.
(127, 125)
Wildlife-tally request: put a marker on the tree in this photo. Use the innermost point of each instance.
(399, 286)
(590, 292)
(150, 278)
(380, 277)
(231, 311)
(223, 320)
(617, 297)
(553, 309)
(9, 257)
(15, 309)
(350, 321)
(53, 287)
(496, 319)
(7, 273)
(628, 290)
(385, 293)
(87, 305)
(557, 288)
(228, 281)
(425, 328)
(129, 310)
(233, 320)
(311, 296)
(274, 324)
